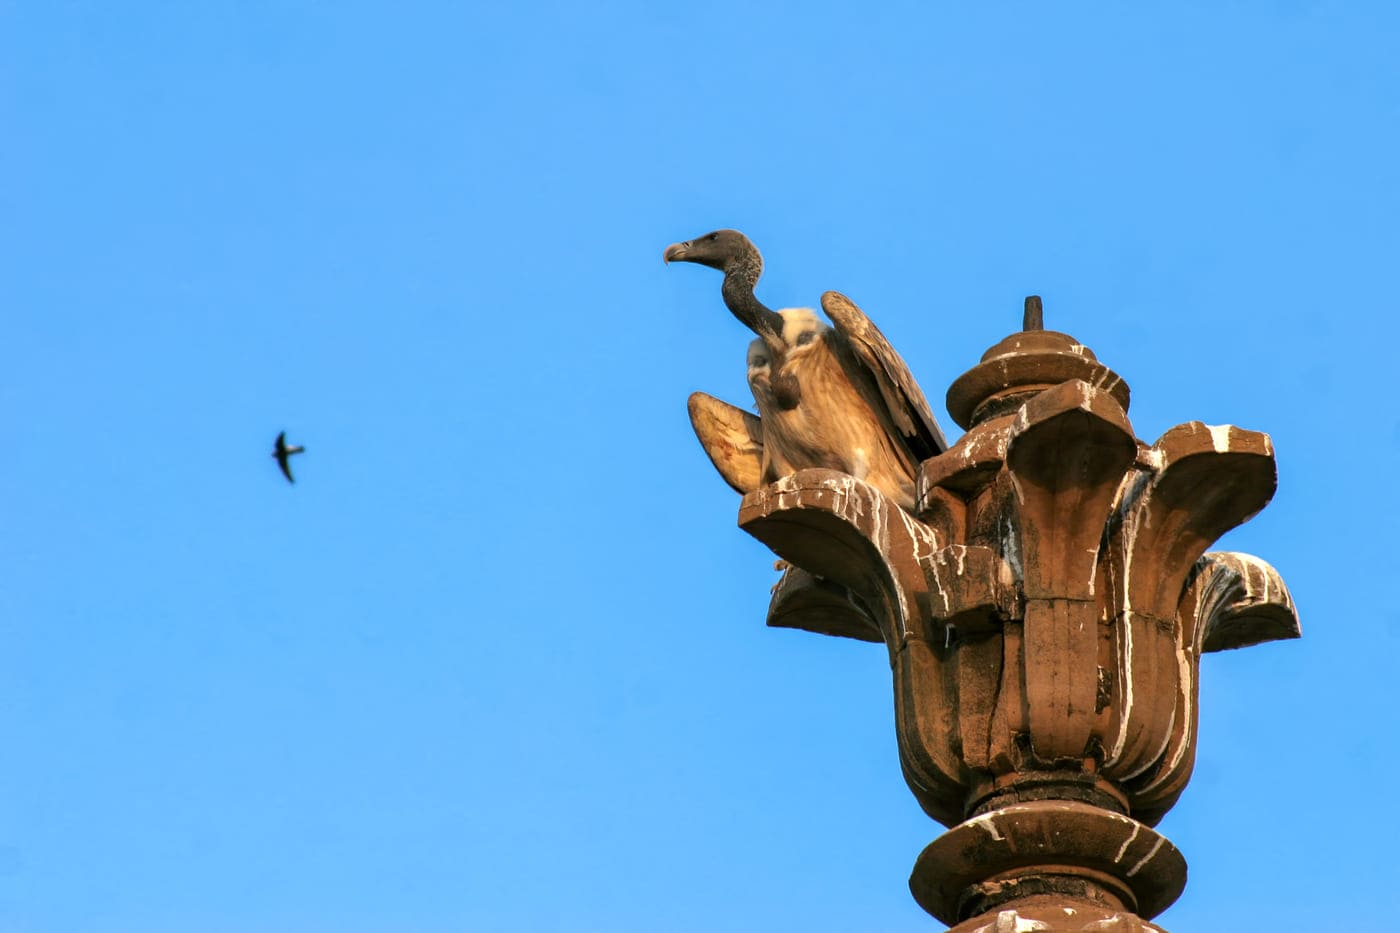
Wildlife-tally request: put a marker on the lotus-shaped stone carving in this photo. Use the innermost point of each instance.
(1045, 608)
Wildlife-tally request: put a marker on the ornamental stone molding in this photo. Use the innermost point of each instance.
(1045, 606)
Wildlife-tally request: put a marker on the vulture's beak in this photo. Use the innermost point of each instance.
(676, 251)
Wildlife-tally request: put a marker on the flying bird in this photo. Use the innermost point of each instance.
(283, 452)
(836, 396)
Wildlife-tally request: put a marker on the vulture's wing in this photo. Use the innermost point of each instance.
(908, 408)
(732, 438)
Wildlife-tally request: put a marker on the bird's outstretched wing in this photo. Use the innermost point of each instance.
(732, 438)
(282, 453)
(905, 401)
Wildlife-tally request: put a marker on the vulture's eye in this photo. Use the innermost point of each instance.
(805, 338)
(713, 236)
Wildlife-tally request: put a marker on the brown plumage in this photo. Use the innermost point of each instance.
(837, 397)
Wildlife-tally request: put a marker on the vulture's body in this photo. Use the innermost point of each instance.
(830, 426)
(837, 397)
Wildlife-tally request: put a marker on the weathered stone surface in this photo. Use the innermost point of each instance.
(1023, 364)
(1082, 855)
(970, 590)
(842, 530)
(1044, 606)
(1238, 600)
(1230, 601)
(1068, 450)
(1051, 913)
(801, 600)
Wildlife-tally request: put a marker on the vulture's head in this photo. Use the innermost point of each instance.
(722, 249)
(733, 254)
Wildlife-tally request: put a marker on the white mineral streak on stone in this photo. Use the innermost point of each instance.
(853, 500)
(1125, 682)
(938, 564)
(1132, 512)
(1253, 586)
(1185, 683)
(879, 530)
(1010, 548)
(987, 820)
(925, 538)
(1127, 533)
(1219, 437)
(1016, 485)
(788, 494)
(880, 534)
(1256, 592)
(1009, 921)
(844, 501)
(1148, 857)
(1115, 531)
(865, 511)
(1023, 420)
(1149, 760)
(1137, 827)
(1000, 441)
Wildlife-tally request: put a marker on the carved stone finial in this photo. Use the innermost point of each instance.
(1034, 318)
(1023, 365)
(1045, 604)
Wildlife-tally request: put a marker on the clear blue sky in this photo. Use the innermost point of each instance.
(497, 661)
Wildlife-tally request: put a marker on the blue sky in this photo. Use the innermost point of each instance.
(497, 661)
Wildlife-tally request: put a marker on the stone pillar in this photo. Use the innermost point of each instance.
(1045, 608)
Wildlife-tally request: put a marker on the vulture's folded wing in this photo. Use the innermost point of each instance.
(903, 398)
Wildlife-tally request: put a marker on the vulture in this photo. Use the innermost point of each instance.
(837, 396)
(282, 452)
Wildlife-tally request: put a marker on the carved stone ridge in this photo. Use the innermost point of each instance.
(1044, 606)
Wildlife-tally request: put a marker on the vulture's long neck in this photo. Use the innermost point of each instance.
(740, 277)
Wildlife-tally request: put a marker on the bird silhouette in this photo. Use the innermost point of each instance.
(283, 451)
